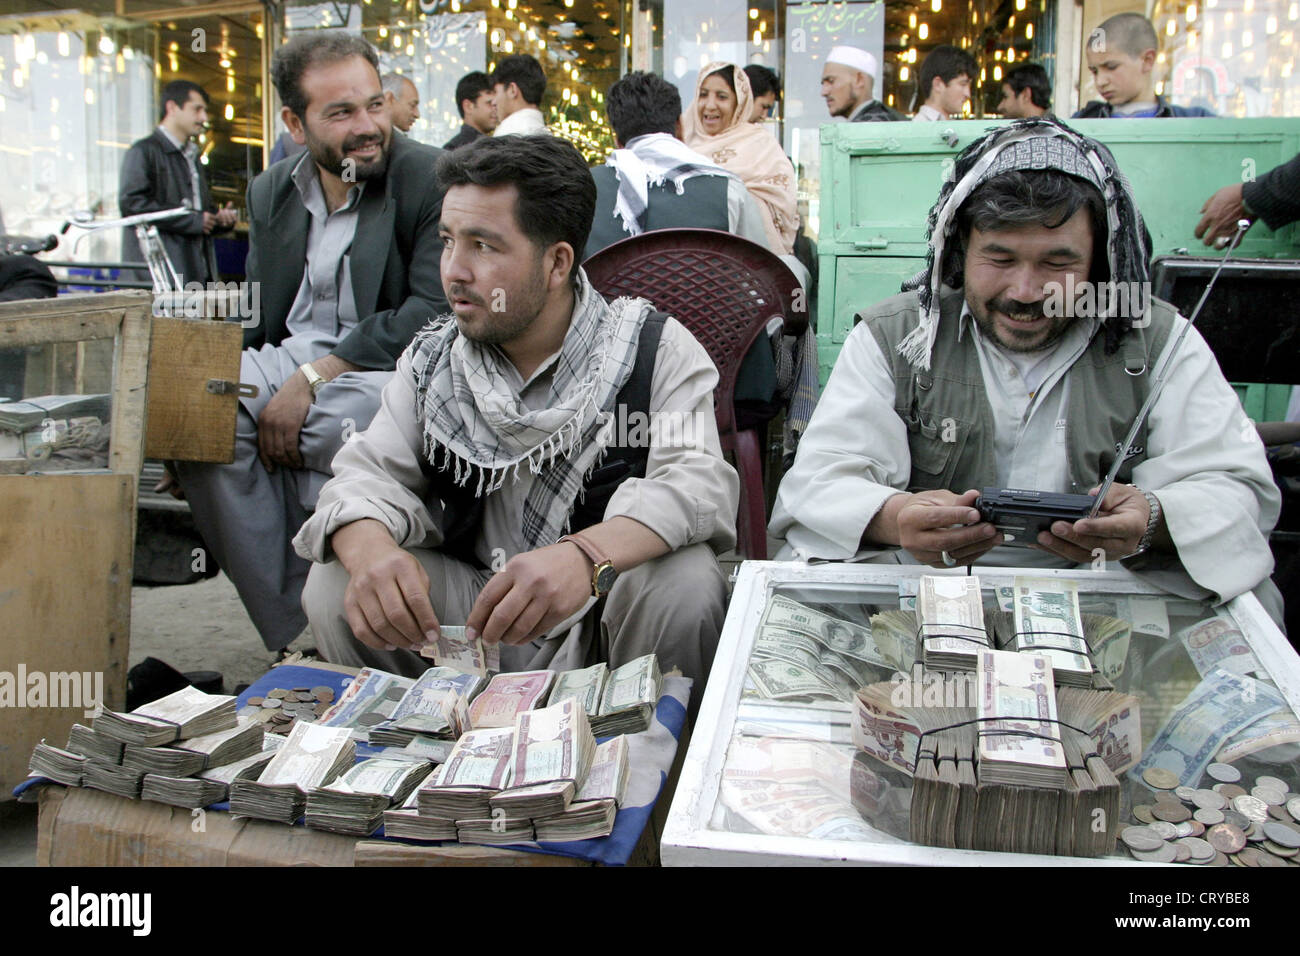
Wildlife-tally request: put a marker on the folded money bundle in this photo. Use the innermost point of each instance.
(1002, 761)
(494, 831)
(187, 713)
(628, 701)
(552, 743)
(111, 778)
(355, 803)
(534, 800)
(454, 650)
(369, 700)
(584, 820)
(950, 622)
(212, 785)
(61, 766)
(85, 741)
(312, 756)
(437, 705)
(478, 768)
(407, 823)
(507, 696)
(188, 757)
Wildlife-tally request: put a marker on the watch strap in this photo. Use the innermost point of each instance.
(1153, 522)
(588, 548)
(314, 378)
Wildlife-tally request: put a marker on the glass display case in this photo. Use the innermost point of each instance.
(774, 776)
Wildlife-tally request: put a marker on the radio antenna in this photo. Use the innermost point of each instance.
(1242, 226)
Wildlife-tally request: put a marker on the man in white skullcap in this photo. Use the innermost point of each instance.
(848, 80)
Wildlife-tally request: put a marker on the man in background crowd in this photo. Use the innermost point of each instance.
(518, 85)
(403, 100)
(478, 113)
(1122, 59)
(945, 79)
(1026, 92)
(848, 82)
(162, 171)
(766, 87)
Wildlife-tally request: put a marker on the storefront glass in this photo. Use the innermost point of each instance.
(1236, 57)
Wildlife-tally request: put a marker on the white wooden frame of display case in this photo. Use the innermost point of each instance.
(689, 841)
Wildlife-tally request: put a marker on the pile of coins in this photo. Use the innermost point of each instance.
(281, 709)
(1223, 826)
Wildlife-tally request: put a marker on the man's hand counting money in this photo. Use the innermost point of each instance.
(531, 594)
(387, 599)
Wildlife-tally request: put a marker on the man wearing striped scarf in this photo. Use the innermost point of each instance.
(499, 486)
(1019, 358)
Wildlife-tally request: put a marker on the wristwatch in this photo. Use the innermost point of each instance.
(603, 573)
(314, 378)
(1153, 522)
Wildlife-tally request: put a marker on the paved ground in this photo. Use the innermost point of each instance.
(200, 626)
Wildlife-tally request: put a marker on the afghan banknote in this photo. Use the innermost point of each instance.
(1218, 642)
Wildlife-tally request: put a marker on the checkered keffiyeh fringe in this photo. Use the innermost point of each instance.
(474, 425)
(1029, 144)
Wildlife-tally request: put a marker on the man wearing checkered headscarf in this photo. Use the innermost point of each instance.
(1018, 358)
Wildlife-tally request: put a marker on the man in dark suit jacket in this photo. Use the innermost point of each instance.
(344, 268)
(162, 171)
(478, 111)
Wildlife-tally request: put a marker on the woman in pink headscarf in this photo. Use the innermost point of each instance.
(717, 126)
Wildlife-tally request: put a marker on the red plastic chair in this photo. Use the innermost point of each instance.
(725, 290)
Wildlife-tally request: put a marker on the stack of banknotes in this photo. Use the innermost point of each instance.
(211, 785)
(311, 757)
(621, 701)
(436, 705)
(1012, 771)
(355, 802)
(187, 713)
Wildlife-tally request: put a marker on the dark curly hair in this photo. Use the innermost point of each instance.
(307, 50)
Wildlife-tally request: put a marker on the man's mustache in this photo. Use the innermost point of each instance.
(361, 142)
(1017, 310)
(457, 291)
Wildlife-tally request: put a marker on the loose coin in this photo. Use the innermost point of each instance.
(1172, 813)
(320, 709)
(1160, 778)
(271, 703)
(1221, 859)
(1185, 829)
(1226, 838)
(1223, 772)
(304, 696)
(1238, 820)
(1209, 800)
(370, 718)
(1250, 856)
(1182, 854)
(1251, 807)
(1273, 783)
(1256, 833)
(1231, 791)
(1141, 839)
(1198, 828)
(1184, 793)
(255, 701)
(1164, 853)
(1293, 808)
(1201, 851)
(1143, 813)
(1268, 859)
(322, 692)
(1166, 831)
(1270, 796)
(1209, 817)
(1236, 860)
(302, 690)
(1278, 850)
(278, 693)
(1279, 812)
(1281, 834)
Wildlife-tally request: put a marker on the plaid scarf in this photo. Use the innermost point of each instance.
(647, 161)
(475, 425)
(1029, 144)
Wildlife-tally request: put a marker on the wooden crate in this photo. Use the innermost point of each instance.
(188, 422)
(66, 540)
